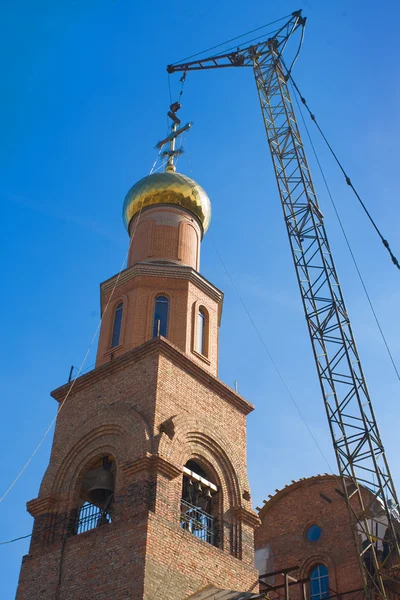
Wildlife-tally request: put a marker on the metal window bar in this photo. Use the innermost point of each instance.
(198, 522)
(91, 517)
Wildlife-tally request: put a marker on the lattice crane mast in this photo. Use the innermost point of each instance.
(367, 483)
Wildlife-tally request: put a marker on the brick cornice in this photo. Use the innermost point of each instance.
(247, 516)
(167, 270)
(161, 465)
(39, 506)
(156, 346)
(154, 464)
(142, 464)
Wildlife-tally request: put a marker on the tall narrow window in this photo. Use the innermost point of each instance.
(160, 321)
(117, 325)
(319, 583)
(201, 332)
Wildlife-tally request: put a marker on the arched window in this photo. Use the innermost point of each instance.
(117, 325)
(319, 582)
(96, 497)
(201, 345)
(160, 321)
(198, 504)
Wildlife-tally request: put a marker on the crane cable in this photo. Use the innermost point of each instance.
(347, 178)
(273, 362)
(268, 352)
(347, 239)
(231, 40)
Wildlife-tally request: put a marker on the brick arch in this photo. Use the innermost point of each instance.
(197, 438)
(197, 306)
(151, 305)
(124, 300)
(317, 559)
(72, 484)
(126, 436)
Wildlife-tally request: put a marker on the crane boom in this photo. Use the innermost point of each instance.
(367, 483)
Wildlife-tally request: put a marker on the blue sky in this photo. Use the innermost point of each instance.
(83, 102)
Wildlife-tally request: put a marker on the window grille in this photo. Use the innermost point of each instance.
(198, 522)
(90, 517)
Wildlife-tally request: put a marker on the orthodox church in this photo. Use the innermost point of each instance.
(146, 493)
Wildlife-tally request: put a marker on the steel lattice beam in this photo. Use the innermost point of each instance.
(360, 455)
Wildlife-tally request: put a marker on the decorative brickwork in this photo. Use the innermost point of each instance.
(137, 288)
(129, 428)
(165, 233)
(151, 410)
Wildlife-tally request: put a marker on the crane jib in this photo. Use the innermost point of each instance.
(367, 483)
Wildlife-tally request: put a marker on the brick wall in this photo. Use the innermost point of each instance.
(137, 287)
(285, 520)
(151, 410)
(166, 233)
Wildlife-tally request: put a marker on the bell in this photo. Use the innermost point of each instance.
(208, 493)
(102, 489)
(198, 486)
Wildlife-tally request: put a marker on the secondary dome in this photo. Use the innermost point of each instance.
(168, 188)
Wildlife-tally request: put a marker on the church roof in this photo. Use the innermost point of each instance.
(168, 188)
(288, 489)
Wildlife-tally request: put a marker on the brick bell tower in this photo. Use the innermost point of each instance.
(146, 493)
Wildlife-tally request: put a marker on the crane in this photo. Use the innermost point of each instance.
(366, 480)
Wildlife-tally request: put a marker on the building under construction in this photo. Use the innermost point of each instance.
(146, 494)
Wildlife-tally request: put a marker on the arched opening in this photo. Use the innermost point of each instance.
(116, 333)
(96, 497)
(160, 320)
(202, 332)
(199, 504)
(319, 582)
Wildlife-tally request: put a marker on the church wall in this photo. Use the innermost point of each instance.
(167, 233)
(285, 520)
(97, 565)
(207, 412)
(125, 396)
(126, 431)
(208, 428)
(137, 326)
(138, 295)
(178, 565)
(197, 299)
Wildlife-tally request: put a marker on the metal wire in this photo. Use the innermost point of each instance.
(84, 359)
(347, 239)
(285, 385)
(231, 40)
(347, 178)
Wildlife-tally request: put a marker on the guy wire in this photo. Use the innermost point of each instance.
(347, 239)
(84, 359)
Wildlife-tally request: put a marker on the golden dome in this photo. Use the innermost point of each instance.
(168, 188)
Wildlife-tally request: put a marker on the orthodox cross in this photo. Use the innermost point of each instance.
(172, 151)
